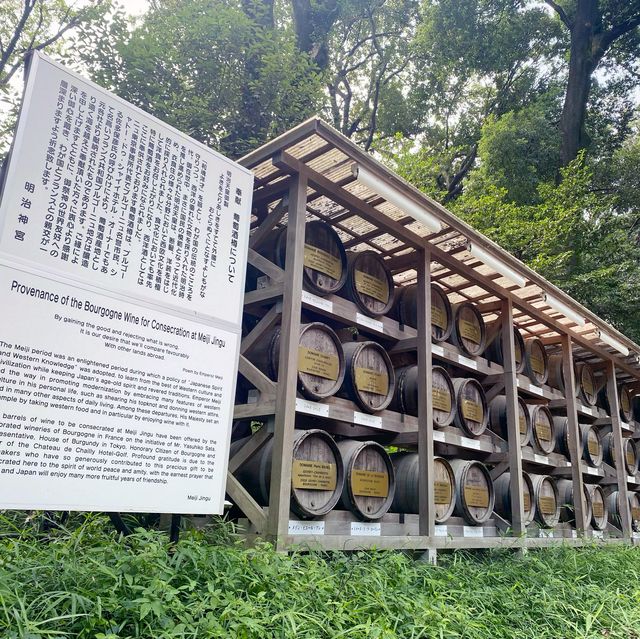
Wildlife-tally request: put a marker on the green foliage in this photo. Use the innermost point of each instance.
(87, 583)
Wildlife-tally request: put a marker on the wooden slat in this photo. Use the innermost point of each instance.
(251, 447)
(239, 495)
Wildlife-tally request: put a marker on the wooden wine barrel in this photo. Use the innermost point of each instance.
(443, 394)
(599, 508)
(502, 487)
(592, 451)
(615, 510)
(475, 496)
(469, 332)
(493, 352)
(567, 504)
(586, 389)
(369, 380)
(325, 260)
(317, 475)
(546, 500)
(369, 283)
(498, 418)
(561, 427)
(405, 310)
(630, 453)
(536, 361)
(321, 363)
(625, 399)
(556, 373)
(542, 428)
(369, 484)
(406, 499)
(635, 408)
(472, 413)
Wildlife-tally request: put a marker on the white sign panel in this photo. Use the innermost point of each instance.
(122, 256)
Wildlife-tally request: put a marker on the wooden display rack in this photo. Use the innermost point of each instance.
(307, 174)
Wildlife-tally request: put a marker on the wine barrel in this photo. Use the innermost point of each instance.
(369, 380)
(592, 451)
(615, 509)
(498, 419)
(325, 260)
(556, 372)
(406, 498)
(624, 399)
(493, 351)
(546, 500)
(469, 332)
(536, 361)
(369, 283)
(369, 484)
(475, 496)
(542, 428)
(405, 399)
(561, 428)
(317, 474)
(599, 509)
(635, 408)
(472, 414)
(586, 389)
(321, 364)
(405, 310)
(630, 453)
(567, 504)
(502, 487)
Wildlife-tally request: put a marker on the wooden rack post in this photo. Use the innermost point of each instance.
(621, 470)
(575, 448)
(285, 415)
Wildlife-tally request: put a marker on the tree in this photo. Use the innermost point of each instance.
(596, 27)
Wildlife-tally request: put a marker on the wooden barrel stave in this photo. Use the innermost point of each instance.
(592, 450)
(369, 379)
(536, 361)
(493, 352)
(406, 499)
(369, 484)
(546, 499)
(630, 453)
(542, 428)
(599, 508)
(498, 419)
(469, 333)
(405, 310)
(472, 414)
(567, 504)
(502, 487)
(370, 284)
(586, 388)
(316, 462)
(405, 399)
(475, 496)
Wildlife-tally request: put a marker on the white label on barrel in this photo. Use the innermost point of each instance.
(439, 317)
(545, 533)
(473, 531)
(598, 534)
(440, 531)
(363, 419)
(369, 483)
(363, 320)
(306, 527)
(441, 399)
(472, 410)
(311, 408)
(307, 474)
(470, 443)
(437, 350)
(465, 361)
(318, 363)
(318, 302)
(372, 286)
(470, 331)
(318, 260)
(366, 528)
(372, 381)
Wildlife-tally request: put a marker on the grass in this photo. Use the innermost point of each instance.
(86, 582)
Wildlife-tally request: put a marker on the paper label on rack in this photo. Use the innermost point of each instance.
(592, 471)
(535, 390)
(470, 443)
(363, 419)
(440, 531)
(540, 459)
(318, 260)
(465, 361)
(473, 531)
(311, 408)
(635, 535)
(318, 302)
(574, 534)
(366, 529)
(372, 286)
(545, 533)
(306, 527)
(369, 322)
(437, 350)
(598, 534)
